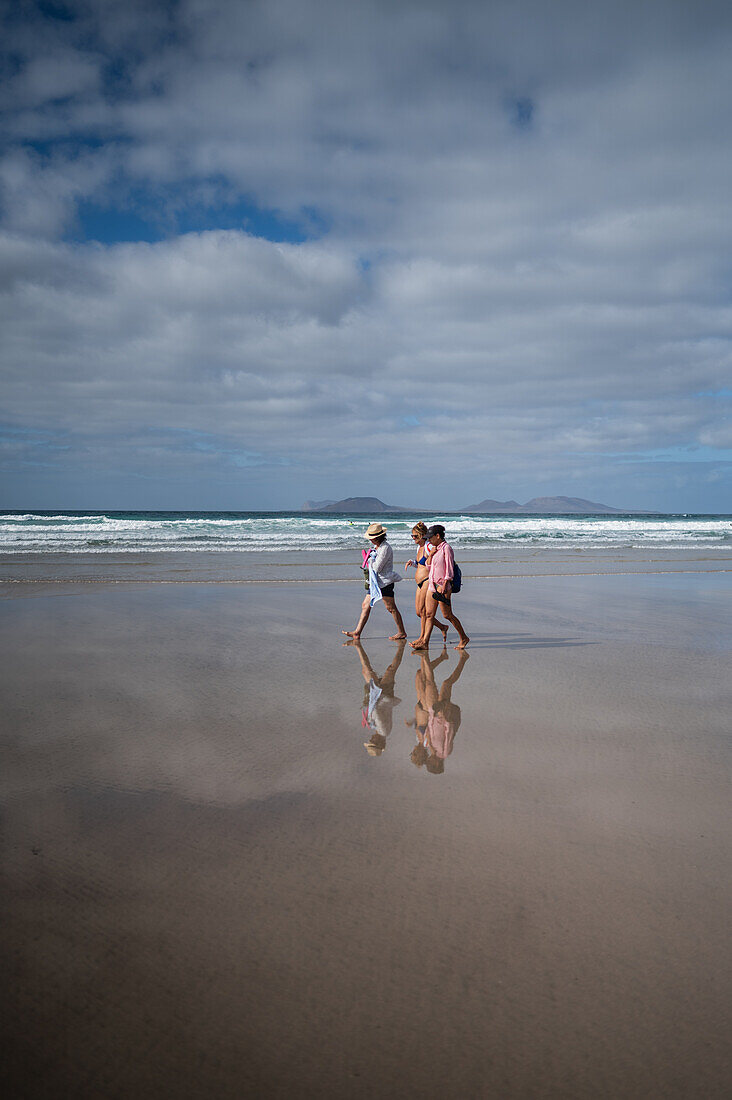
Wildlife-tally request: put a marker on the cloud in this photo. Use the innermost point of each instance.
(246, 339)
(508, 234)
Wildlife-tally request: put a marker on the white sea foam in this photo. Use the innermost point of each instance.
(157, 532)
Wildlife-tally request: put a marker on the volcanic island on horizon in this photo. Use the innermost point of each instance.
(536, 506)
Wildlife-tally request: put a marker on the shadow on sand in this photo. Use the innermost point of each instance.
(523, 641)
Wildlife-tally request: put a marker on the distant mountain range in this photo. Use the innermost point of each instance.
(315, 505)
(367, 505)
(565, 505)
(562, 505)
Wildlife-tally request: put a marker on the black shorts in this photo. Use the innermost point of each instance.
(441, 597)
(389, 590)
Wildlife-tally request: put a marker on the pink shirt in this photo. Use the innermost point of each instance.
(442, 566)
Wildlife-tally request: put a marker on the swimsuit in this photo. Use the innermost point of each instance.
(422, 561)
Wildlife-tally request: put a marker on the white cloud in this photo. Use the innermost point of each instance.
(532, 283)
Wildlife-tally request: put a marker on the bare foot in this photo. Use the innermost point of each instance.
(419, 645)
(397, 637)
(444, 628)
(462, 644)
(351, 633)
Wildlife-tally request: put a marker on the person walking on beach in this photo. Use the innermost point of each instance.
(442, 570)
(382, 578)
(421, 576)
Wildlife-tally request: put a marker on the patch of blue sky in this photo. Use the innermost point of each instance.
(13, 430)
(32, 437)
(243, 459)
(154, 216)
(691, 453)
(23, 447)
(520, 111)
(70, 146)
(724, 392)
(112, 226)
(366, 262)
(54, 9)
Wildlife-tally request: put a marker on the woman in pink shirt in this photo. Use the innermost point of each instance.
(421, 576)
(442, 570)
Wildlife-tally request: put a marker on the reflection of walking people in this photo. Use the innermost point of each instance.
(421, 576)
(442, 570)
(440, 717)
(420, 752)
(382, 578)
(379, 699)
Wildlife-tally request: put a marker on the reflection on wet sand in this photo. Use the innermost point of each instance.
(208, 890)
(379, 700)
(436, 717)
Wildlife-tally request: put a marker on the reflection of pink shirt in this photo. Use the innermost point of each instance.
(441, 734)
(442, 566)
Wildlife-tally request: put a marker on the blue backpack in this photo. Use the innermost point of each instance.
(457, 579)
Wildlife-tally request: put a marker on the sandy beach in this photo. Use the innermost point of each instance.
(212, 887)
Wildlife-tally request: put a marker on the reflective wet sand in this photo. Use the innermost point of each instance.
(229, 870)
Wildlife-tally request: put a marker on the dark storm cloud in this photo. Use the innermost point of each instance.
(519, 223)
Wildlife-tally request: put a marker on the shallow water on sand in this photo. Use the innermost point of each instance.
(229, 869)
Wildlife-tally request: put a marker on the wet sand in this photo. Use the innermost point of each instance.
(212, 888)
(242, 567)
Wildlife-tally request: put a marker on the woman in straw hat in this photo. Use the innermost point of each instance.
(382, 579)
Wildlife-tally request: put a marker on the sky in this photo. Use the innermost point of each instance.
(254, 252)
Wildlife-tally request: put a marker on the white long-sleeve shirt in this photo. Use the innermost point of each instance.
(382, 561)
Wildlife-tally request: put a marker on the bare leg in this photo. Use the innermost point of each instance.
(432, 606)
(430, 687)
(387, 680)
(430, 612)
(365, 612)
(420, 606)
(366, 667)
(419, 602)
(449, 681)
(438, 660)
(451, 617)
(390, 605)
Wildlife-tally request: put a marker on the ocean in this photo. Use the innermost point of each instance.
(150, 532)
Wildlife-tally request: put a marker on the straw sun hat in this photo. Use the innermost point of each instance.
(375, 531)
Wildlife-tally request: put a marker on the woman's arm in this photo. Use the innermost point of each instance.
(448, 561)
